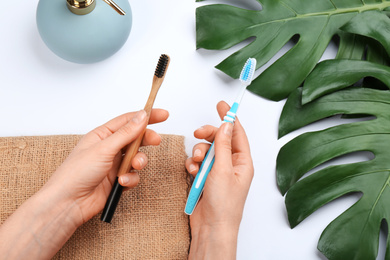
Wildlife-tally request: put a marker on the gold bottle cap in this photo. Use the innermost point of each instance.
(82, 7)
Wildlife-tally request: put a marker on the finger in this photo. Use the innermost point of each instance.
(240, 141)
(126, 134)
(223, 146)
(151, 138)
(107, 129)
(222, 108)
(206, 132)
(139, 161)
(192, 166)
(158, 115)
(199, 151)
(114, 170)
(129, 180)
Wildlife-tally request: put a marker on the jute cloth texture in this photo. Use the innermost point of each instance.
(149, 222)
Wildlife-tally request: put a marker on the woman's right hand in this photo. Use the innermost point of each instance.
(216, 219)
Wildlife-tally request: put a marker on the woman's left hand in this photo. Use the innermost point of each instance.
(78, 189)
(87, 175)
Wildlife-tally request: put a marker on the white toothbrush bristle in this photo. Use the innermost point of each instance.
(248, 71)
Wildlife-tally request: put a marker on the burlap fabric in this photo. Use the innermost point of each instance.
(149, 223)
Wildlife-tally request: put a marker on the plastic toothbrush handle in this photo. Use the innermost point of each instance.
(231, 114)
(205, 168)
(200, 179)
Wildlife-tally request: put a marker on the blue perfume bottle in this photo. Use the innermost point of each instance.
(84, 31)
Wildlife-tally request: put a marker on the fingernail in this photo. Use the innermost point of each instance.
(139, 117)
(125, 179)
(200, 128)
(197, 153)
(141, 161)
(228, 129)
(192, 168)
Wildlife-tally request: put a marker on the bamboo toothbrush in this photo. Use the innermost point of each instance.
(132, 149)
(246, 77)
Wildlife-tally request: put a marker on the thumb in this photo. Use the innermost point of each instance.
(223, 146)
(127, 133)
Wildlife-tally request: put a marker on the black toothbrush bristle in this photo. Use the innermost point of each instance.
(161, 66)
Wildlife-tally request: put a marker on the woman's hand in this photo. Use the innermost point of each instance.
(78, 189)
(89, 172)
(216, 219)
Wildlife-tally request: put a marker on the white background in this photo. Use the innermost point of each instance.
(41, 94)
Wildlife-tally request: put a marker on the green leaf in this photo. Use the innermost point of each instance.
(374, 24)
(377, 54)
(333, 75)
(351, 46)
(315, 21)
(355, 233)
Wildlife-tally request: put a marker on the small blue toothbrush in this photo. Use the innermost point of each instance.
(246, 77)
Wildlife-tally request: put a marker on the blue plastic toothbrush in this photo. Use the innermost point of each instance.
(246, 77)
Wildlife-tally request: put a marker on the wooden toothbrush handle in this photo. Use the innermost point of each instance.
(132, 149)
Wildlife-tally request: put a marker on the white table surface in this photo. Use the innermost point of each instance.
(41, 94)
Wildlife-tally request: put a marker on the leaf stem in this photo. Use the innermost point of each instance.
(363, 8)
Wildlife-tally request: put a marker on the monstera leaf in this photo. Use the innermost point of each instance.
(355, 233)
(333, 75)
(314, 21)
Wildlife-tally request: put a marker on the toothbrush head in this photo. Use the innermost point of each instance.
(161, 66)
(248, 71)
